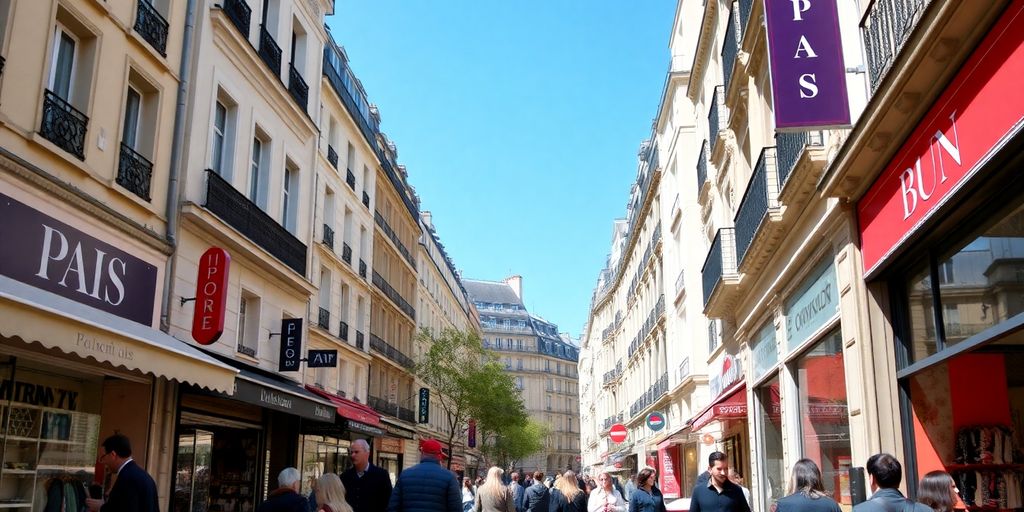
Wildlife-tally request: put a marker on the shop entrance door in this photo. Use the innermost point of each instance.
(192, 479)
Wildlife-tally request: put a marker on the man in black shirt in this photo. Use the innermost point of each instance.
(718, 494)
(367, 487)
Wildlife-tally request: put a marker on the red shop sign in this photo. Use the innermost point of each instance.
(669, 475)
(211, 296)
(980, 111)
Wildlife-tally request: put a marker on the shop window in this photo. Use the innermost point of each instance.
(222, 134)
(769, 418)
(248, 324)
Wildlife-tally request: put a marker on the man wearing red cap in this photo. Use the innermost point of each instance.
(427, 487)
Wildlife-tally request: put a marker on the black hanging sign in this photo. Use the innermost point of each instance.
(291, 345)
(322, 359)
(424, 405)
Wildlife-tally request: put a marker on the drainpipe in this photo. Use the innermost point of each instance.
(173, 183)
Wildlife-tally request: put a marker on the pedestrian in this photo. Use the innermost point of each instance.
(134, 490)
(606, 498)
(426, 487)
(566, 496)
(518, 492)
(591, 485)
(647, 497)
(468, 496)
(719, 494)
(548, 482)
(627, 494)
(884, 475)
(286, 497)
(538, 497)
(493, 495)
(938, 491)
(806, 492)
(367, 487)
(736, 478)
(331, 495)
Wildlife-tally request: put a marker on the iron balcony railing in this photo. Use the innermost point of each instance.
(134, 172)
(702, 165)
(885, 29)
(270, 52)
(654, 392)
(745, 7)
(151, 26)
(366, 199)
(684, 370)
(721, 261)
(346, 253)
(362, 268)
(323, 319)
(297, 87)
(762, 193)
(360, 341)
(789, 146)
(350, 179)
(332, 156)
(391, 293)
(653, 317)
(390, 408)
(406, 414)
(384, 226)
(730, 47)
(63, 124)
(715, 117)
(390, 352)
(328, 236)
(343, 330)
(224, 201)
(243, 349)
(648, 253)
(239, 13)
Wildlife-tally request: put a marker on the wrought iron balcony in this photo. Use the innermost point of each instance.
(885, 29)
(654, 393)
(63, 124)
(134, 172)
(789, 147)
(332, 156)
(702, 166)
(385, 349)
(350, 179)
(249, 351)
(406, 414)
(298, 88)
(270, 52)
(328, 236)
(393, 294)
(324, 318)
(720, 262)
(346, 253)
(239, 13)
(224, 201)
(366, 199)
(730, 47)
(362, 268)
(684, 369)
(384, 226)
(343, 330)
(762, 193)
(360, 342)
(716, 117)
(152, 26)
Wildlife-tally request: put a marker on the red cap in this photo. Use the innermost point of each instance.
(432, 447)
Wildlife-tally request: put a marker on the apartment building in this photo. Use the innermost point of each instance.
(543, 364)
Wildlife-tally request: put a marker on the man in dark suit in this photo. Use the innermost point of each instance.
(134, 490)
(367, 487)
(885, 474)
(537, 495)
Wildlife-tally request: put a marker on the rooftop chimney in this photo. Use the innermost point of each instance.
(516, 283)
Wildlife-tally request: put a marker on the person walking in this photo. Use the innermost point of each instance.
(566, 495)
(331, 495)
(538, 497)
(719, 494)
(884, 475)
(518, 492)
(468, 496)
(367, 487)
(646, 497)
(426, 487)
(606, 498)
(938, 491)
(286, 497)
(631, 484)
(493, 495)
(806, 493)
(134, 490)
(736, 478)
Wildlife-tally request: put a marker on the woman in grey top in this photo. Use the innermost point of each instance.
(493, 495)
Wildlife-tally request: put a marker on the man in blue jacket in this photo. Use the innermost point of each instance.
(427, 487)
(885, 474)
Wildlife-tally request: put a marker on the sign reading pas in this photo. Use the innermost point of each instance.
(808, 74)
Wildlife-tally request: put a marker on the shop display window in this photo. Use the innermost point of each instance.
(824, 418)
(773, 472)
(322, 454)
(216, 469)
(691, 469)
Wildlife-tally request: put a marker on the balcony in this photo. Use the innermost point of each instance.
(270, 52)
(239, 13)
(393, 294)
(366, 200)
(346, 253)
(64, 125)
(360, 342)
(134, 172)
(343, 330)
(152, 26)
(791, 147)
(350, 179)
(297, 88)
(654, 393)
(323, 319)
(717, 118)
(683, 371)
(332, 156)
(654, 317)
(760, 199)
(386, 228)
(224, 201)
(390, 408)
(720, 265)
(680, 285)
(362, 269)
(885, 30)
(730, 47)
(702, 166)
(328, 237)
(384, 348)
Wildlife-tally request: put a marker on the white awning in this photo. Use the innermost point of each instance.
(35, 315)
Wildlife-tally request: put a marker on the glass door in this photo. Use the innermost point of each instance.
(192, 476)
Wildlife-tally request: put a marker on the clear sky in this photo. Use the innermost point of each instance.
(519, 123)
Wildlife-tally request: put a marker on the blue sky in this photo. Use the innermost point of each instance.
(519, 124)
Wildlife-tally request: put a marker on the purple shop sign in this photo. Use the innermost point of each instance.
(808, 74)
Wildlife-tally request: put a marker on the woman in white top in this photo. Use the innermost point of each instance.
(605, 498)
(468, 496)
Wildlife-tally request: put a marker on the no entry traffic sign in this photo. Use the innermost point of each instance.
(618, 433)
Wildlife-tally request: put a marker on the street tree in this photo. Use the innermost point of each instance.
(516, 442)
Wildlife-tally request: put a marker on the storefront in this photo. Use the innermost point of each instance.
(942, 235)
(325, 446)
(722, 425)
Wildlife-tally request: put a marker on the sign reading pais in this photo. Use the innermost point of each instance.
(41, 251)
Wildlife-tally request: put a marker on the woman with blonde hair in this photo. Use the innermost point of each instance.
(566, 495)
(330, 494)
(494, 495)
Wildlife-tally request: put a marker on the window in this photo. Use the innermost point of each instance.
(769, 416)
(255, 170)
(248, 324)
(222, 135)
(350, 158)
(290, 199)
(65, 53)
(132, 111)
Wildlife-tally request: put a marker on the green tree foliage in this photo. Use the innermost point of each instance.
(516, 442)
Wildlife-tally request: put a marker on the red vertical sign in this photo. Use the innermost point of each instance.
(668, 456)
(211, 296)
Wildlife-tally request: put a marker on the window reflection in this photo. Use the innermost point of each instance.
(770, 416)
(922, 317)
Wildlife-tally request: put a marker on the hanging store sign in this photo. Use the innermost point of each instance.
(471, 434)
(978, 114)
(291, 345)
(211, 296)
(808, 75)
(424, 405)
(43, 252)
(322, 359)
(812, 305)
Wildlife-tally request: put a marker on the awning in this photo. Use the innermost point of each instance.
(265, 389)
(731, 405)
(348, 409)
(55, 322)
(396, 428)
(675, 437)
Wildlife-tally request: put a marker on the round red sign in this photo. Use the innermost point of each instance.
(618, 433)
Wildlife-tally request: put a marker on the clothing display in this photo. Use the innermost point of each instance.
(65, 493)
(1000, 486)
(986, 445)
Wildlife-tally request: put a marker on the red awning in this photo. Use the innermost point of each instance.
(731, 405)
(348, 409)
